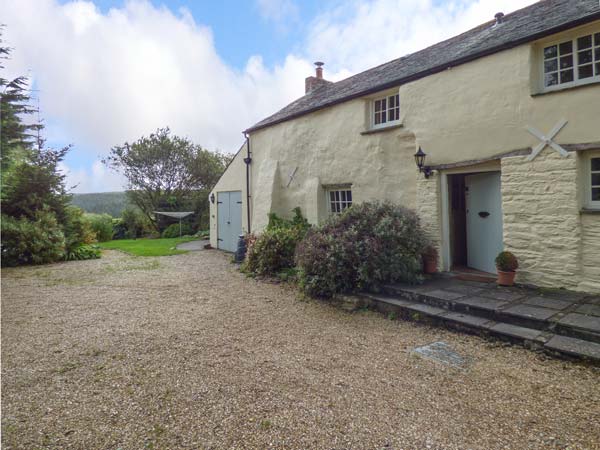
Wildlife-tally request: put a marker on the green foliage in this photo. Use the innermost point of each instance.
(172, 230)
(273, 250)
(102, 226)
(135, 224)
(507, 262)
(112, 203)
(368, 245)
(37, 241)
(77, 229)
(83, 251)
(168, 173)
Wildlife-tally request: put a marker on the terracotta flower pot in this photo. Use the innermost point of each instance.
(430, 264)
(506, 278)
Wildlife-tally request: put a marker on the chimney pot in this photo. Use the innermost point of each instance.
(499, 18)
(319, 69)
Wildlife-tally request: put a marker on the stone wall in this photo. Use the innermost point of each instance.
(428, 208)
(541, 218)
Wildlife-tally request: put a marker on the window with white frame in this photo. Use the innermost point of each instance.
(386, 110)
(572, 62)
(339, 199)
(594, 182)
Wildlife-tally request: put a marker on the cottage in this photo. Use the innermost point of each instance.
(507, 120)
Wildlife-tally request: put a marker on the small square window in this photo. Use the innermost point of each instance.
(595, 164)
(339, 200)
(566, 76)
(550, 52)
(586, 71)
(594, 182)
(386, 109)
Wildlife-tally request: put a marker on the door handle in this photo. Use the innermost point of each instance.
(483, 214)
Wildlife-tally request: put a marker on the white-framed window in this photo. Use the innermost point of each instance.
(571, 62)
(338, 199)
(592, 185)
(385, 111)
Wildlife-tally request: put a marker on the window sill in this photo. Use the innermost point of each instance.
(566, 88)
(589, 211)
(382, 129)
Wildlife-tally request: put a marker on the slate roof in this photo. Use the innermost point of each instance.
(533, 22)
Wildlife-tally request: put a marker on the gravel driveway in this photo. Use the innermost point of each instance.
(185, 352)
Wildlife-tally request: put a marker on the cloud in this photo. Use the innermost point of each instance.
(106, 78)
(357, 35)
(280, 12)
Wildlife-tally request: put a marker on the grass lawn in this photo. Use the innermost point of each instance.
(147, 247)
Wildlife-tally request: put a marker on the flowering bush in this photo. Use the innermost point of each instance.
(367, 245)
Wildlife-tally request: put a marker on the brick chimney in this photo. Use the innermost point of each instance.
(313, 82)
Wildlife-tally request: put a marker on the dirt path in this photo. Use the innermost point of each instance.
(185, 352)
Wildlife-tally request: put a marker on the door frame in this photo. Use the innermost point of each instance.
(446, 253)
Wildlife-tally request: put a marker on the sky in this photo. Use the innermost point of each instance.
(106, 72)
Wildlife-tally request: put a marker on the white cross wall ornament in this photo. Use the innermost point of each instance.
(291, 176)
(547, 140)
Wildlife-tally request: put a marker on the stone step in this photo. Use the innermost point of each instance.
(530, 337)
(504, 306)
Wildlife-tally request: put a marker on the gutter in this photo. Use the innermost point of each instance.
(437, 69)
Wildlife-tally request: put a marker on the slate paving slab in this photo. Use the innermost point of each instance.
(501, 294)
(548, 302)
(467, 319)
(488, 304)
(442, 353)
(591, 323)
(517, 332)
(530, 312)
(445, 295)
(589, 308)
(464, 289)
(574, 346)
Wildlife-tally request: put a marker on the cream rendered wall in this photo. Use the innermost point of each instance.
(327, 148)
(234, 179)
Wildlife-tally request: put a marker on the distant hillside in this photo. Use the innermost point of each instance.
(112, 203)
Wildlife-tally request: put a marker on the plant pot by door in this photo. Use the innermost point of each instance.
(430, 265)
(506, 278)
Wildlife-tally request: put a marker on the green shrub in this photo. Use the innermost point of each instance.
(135, 223)
(37, 241)
(273, 250)
(83, 251)
(368, 245)
(172, 230)
(77, 229)
(507, 262)
(102, 226)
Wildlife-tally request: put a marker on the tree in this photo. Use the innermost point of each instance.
(166, 172)
(17, 136)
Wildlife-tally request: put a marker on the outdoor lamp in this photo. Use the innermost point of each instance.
(212, 198)
(420, 160)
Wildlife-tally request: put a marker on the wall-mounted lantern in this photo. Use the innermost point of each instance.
(420, 161)
(212, 198)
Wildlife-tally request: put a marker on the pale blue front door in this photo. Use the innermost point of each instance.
(484, 220)
(229, 219)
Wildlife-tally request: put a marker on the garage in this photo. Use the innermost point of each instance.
(229, 219)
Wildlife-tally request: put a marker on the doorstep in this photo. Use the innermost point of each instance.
(559, 322)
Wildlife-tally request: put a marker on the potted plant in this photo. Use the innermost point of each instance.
(507, 264)
(430, 259)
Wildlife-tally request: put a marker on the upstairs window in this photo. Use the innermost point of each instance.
(386, 110)
(572, 62)
(339, 199)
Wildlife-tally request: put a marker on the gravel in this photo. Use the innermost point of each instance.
(186, 352)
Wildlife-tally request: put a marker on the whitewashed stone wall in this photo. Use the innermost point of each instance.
(542, 218)
(428, 208)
